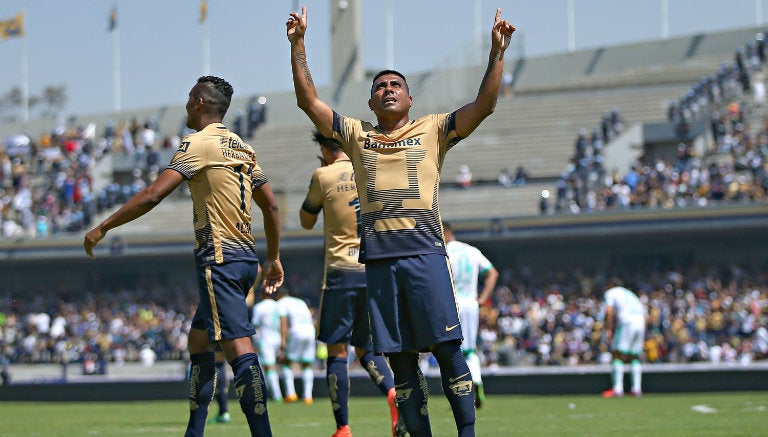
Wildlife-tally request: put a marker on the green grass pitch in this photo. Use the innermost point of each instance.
(732, 414)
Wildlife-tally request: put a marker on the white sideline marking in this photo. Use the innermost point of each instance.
(705, 409)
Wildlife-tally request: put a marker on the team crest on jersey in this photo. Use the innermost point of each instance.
(183, 146)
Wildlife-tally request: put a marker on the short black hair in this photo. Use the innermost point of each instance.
(218, 95)
(331, 144)
(383, 72)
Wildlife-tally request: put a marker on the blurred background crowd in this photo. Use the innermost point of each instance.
(702, 313)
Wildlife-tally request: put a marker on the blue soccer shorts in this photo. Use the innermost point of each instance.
(344, 318)
(411, 302)
(222, 311)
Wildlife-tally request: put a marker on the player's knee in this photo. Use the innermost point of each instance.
(337, 350)
(447, 351)
(403, 363)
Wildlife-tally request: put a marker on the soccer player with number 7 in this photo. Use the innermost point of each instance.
(397, 165)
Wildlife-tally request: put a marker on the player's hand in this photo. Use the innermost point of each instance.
(502, 32)
(91, 239)
(272, 275)
(296, 26)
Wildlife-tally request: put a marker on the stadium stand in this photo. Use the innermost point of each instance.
(554, 96)
(706, 288)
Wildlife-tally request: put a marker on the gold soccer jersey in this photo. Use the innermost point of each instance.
(221, 171)
(333, 191)
(398, 177)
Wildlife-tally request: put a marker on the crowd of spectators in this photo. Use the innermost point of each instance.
(733, 168)
(109, 326)
(700, 313)
(47, 184)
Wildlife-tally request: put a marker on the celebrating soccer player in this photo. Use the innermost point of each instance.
(397, 165)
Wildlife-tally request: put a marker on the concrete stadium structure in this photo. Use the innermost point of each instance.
(554, 96)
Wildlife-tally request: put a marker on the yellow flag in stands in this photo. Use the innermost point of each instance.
(13, 27)
(203, 11)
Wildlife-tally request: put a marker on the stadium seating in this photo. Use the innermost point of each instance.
(554, 96)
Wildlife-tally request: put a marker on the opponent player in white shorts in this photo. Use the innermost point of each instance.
(467, 265)
(625, 319)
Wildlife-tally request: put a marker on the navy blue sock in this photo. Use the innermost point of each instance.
(337, 378)
(202, 375)
(457, 385)
(222, 388)
(252, 392)
(378, 370)
(412, 393)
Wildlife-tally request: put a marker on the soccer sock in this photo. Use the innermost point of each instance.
(308, 378)
(337, 378)
(412, 393)
(457, 385)
(202, 382)
(637, 375)
(222, 388)
(618, 376)
(473, 362)
(273, 384)
(379, 371)
(290, 387)
(249, 385)
(381, 375)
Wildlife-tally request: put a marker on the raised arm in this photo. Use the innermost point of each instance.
(272, 269)
(469, 117)
(306, 94)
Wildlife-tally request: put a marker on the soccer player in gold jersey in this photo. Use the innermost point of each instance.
(397, 164)
(343, 316)
(223, 177)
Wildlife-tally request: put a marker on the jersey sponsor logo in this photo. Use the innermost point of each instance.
(450, 328)
(408, 142)
(231, 143)
(183, 147)
(346, 176)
